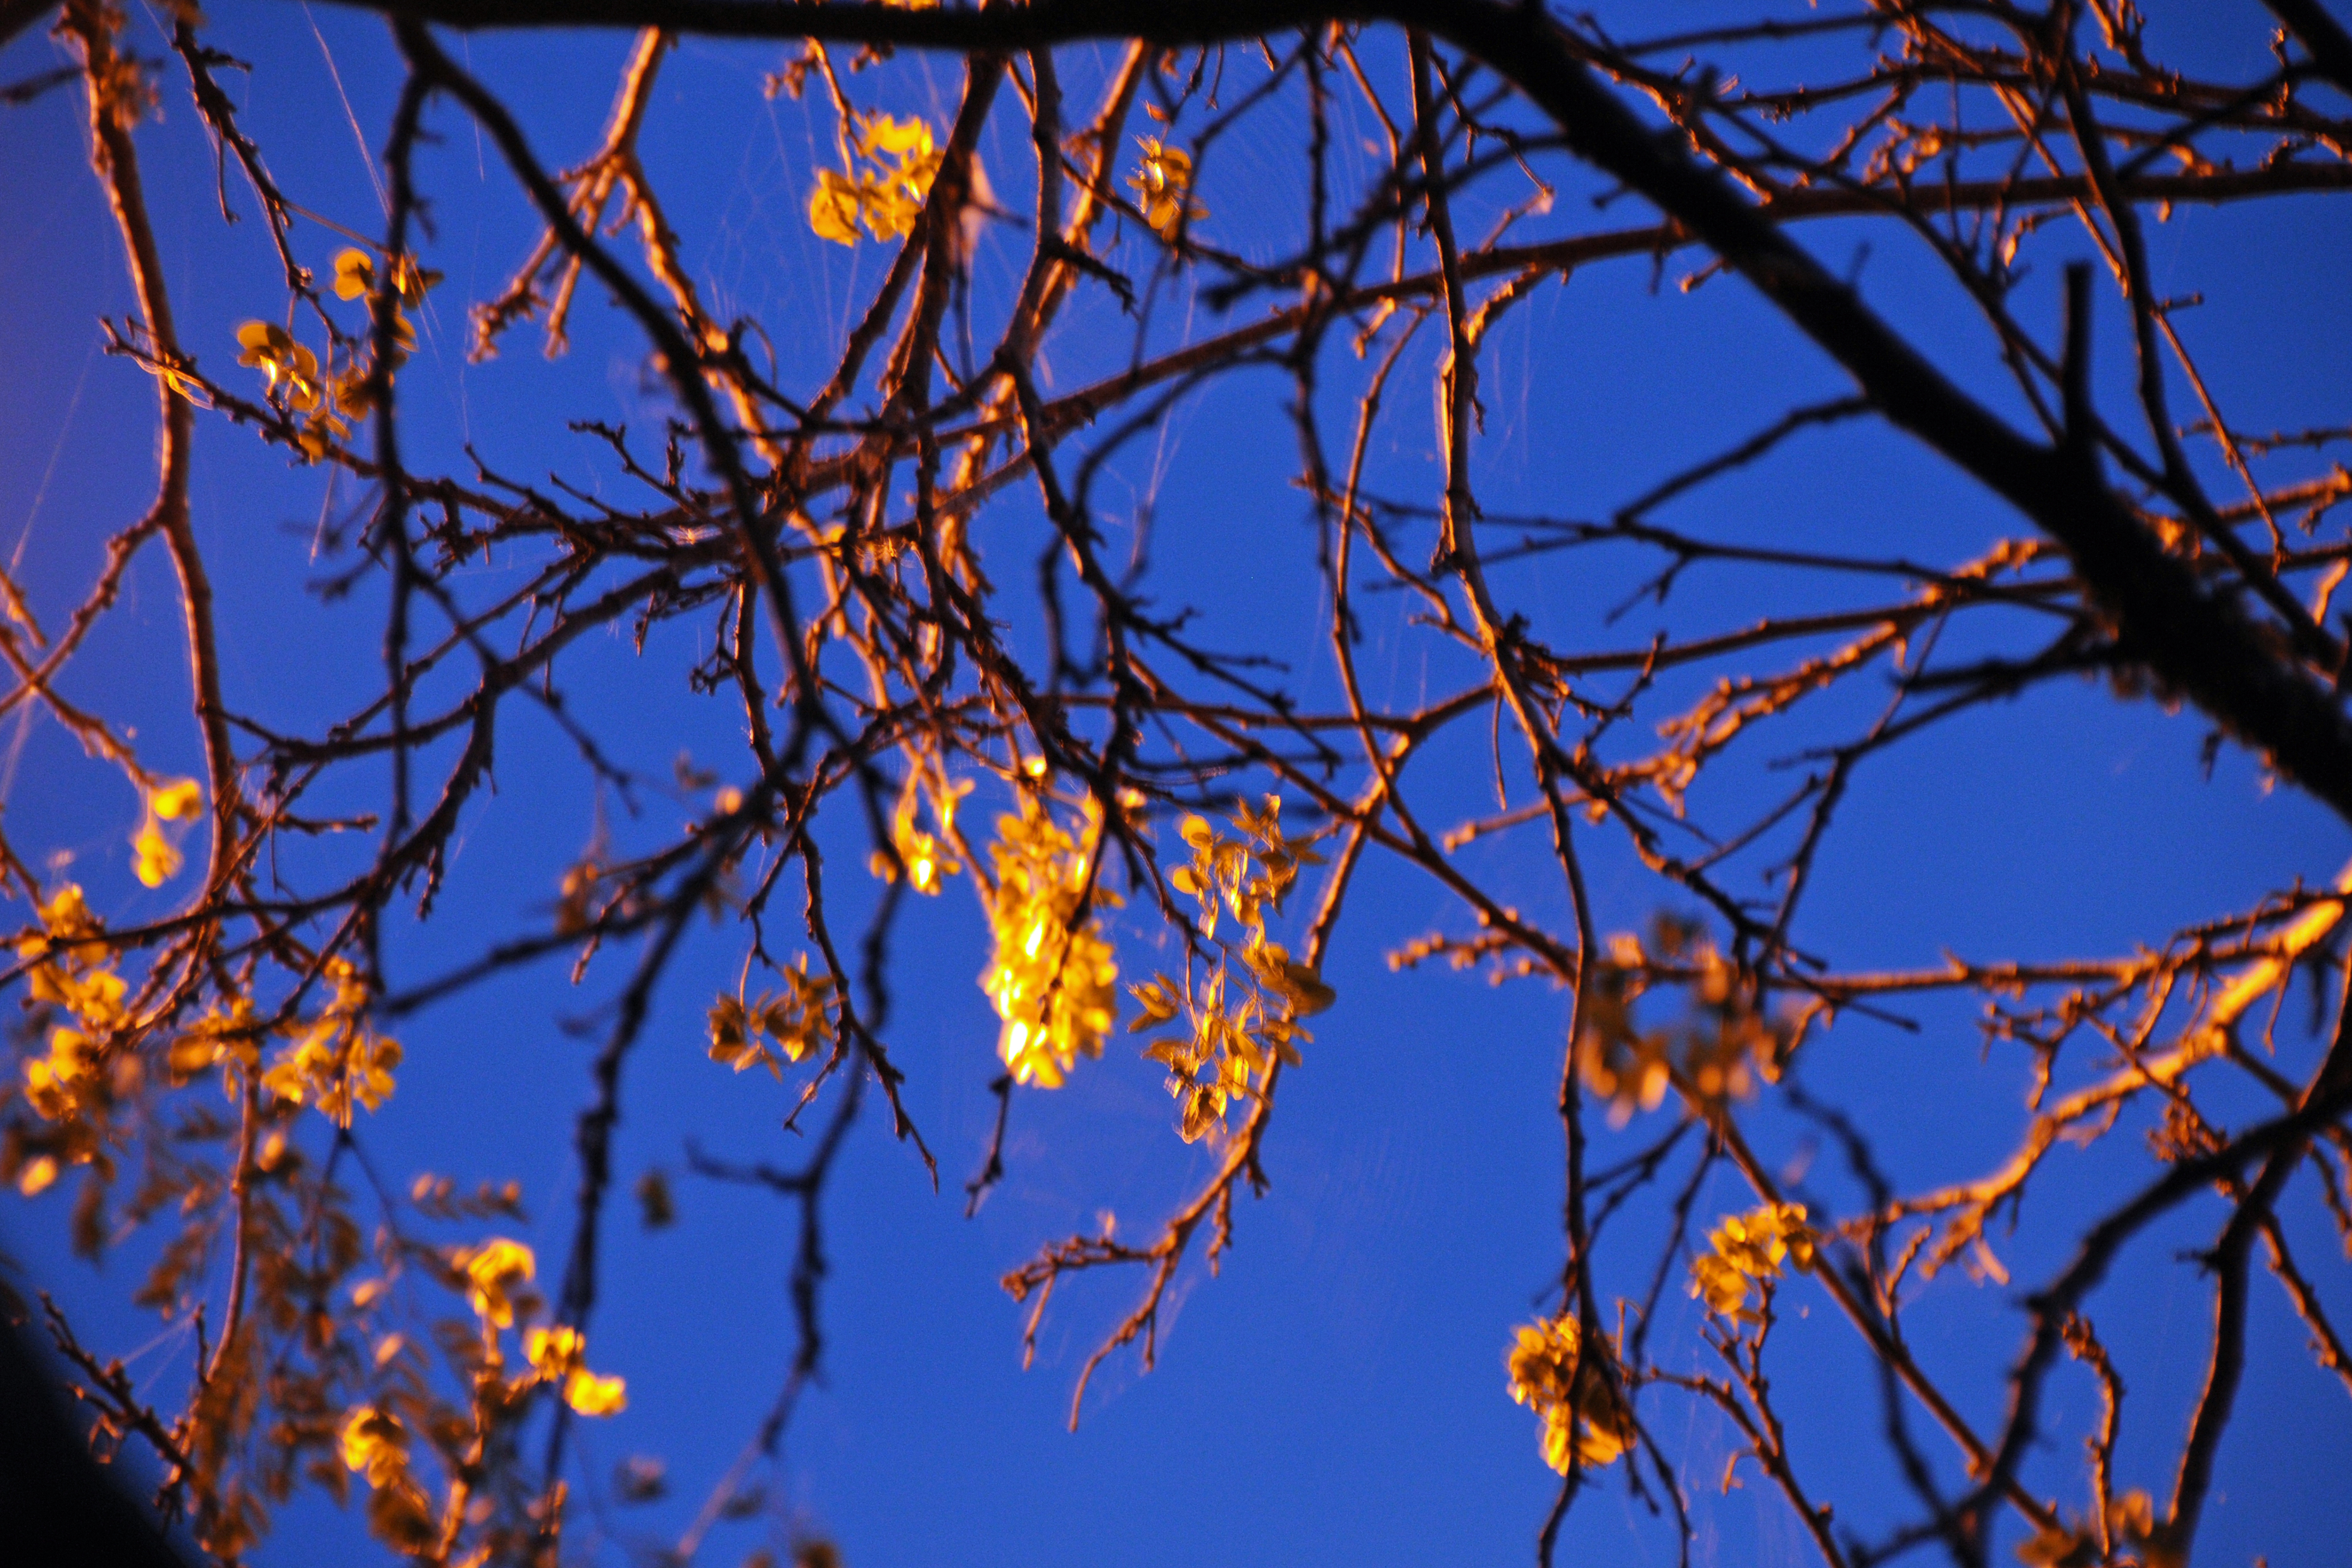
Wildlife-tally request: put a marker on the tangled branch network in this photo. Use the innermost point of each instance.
(913, 549)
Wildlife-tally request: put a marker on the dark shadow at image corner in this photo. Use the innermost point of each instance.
(59, 1507)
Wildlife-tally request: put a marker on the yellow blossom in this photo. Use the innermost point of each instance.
(926, 857)
(834, 207)
(554, 1350)
(375, 1444)
(92, 992)
(52, 1083)
(1585, 1419)
(492, 1271)
(291, 368)
(1745, 1252)
(231, 1037)
(1163, 188)
(34, 1178)
(155, 855)
(337, 1059)
(1052, 979)
(355, 276)
(67, 913)
(799, 1019)
(1719, 1052)
(1237, 1029)
(175, 799)
(558, 1354)
(67, 967)
(888, 180)
(593, 1396)
(156, 858)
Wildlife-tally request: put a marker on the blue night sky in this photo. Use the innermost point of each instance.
(1336, 1395)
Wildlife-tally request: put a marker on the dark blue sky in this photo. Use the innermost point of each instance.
(1337, 1395)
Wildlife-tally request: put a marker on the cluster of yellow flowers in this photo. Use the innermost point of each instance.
(799, 1019)
(54, 1083)
(1235, 1030)
(497, 1275)
(494, 1274)
(1745, 1254)
(290, 369)
(375, 1439)
(558, 1355)
(337, 1059)
(67, 967)
(1051, 979)
(928, 856)
(884, 186)
(155, 857)
(1720, 1050)
(1585, 1420)
(1163, 188)
(66, 964)
(355, 279)
(230, 1038)
(1248, 879)
(375, 1444)
(330, 401)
